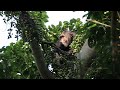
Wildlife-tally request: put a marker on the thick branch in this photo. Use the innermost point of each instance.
(48, 43)
(46, 74)
(118, 14)
(53, 45)
(114, 34)
(86, 55)
(30, 26)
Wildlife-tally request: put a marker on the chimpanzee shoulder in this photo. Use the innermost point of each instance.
(62, 47)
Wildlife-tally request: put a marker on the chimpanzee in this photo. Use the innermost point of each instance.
(64, 41)
(63, 45)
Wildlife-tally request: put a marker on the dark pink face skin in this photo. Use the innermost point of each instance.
(66, 38)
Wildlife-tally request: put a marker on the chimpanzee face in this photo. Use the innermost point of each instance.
(66, 38)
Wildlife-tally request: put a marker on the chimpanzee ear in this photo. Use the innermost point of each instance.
(73, 34)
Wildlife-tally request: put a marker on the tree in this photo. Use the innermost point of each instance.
(100, 37)
(17, 62)
(92, 43)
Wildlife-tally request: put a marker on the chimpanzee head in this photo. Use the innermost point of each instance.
(66, 38)
(64, 41)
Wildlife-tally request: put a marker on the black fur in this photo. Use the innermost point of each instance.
(60, 45)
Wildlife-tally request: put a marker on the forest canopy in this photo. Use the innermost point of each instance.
(95, 47)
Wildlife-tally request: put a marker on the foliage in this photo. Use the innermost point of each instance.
(16, 60)
(63, 72)
(100, 38)
(69, 66)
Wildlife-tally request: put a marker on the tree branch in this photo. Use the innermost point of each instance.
(53, 45)
(114, 43)
(29, 25)
(94, 21)
(86, 55)
(118, 14)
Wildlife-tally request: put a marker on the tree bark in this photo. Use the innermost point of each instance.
(114, 36)
(86, 55)
(29, 25)
(40, 62)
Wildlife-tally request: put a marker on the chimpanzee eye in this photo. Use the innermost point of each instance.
(61, 36)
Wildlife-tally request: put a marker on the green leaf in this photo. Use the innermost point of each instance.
(60, 23)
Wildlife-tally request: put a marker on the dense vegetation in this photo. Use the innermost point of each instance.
(30, 57)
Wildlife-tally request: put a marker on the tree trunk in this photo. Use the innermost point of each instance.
(29, 25)
(114, 37)
(40, 62)
(86, 55)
